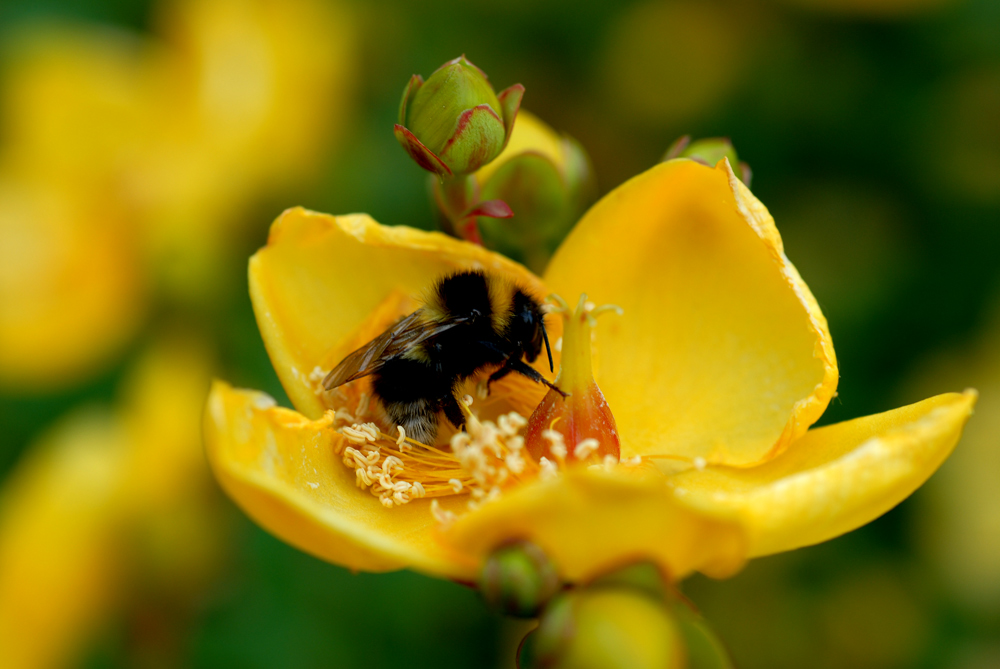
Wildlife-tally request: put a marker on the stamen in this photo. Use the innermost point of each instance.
(560, 306)
(548, 469)
(442, 516)
(585, 448)
(479, 462)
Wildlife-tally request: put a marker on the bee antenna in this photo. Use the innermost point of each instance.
(548, 349)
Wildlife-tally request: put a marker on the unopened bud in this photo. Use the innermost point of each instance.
(519, 579)
(454, 123)
(702, 646)
(709, 152)
(548, 181)
(604, 628)
(644, 576)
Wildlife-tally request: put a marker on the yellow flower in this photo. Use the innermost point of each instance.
(106, 495)
(225, 120)
(71, 286)
(129, 162)
(715, 371)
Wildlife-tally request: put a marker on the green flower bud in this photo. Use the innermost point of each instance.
(519, 579)
(604, 628)
(637, 618)
(547, 180)
(709, 152)
(454, 123)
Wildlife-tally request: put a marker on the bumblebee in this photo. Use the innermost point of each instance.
(469, 322)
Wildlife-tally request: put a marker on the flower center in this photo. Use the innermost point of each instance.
(480, 461)
(491, 454)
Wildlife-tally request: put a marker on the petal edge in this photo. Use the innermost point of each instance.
(835, 478)
(281, 469)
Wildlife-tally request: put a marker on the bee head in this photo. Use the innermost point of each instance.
(527, 327)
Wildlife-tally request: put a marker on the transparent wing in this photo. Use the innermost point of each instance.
(409, 331)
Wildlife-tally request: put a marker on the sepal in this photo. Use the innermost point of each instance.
(478, 139)
(416, 81)
(423, 156)
(510, 102)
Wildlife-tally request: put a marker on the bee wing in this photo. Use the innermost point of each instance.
(408, 332)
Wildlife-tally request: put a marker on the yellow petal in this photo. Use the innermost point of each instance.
(320, 277)
(722, 352)
(60, 570)
(835, 478)
(590, 522)
(281, 469)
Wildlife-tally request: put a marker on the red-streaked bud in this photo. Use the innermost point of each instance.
(454, 123)
(579, 427)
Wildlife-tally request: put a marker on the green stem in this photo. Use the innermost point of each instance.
(454, 197)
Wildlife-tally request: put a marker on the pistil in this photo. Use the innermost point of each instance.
(579, 427)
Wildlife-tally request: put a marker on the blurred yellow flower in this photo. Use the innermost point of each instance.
(106, 496)
(719, 365)
(71, 285)
(129, 163)
(959, 523)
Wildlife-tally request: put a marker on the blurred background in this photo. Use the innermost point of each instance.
(146, 145)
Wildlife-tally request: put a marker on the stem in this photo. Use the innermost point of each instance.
(454, 197)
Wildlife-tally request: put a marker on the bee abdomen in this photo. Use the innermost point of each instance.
(418, 418)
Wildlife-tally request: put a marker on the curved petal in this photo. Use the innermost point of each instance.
(835, 478)
(722, 352)
(320, 277)
(282, 470)
(590, 522)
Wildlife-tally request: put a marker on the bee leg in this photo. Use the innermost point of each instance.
(452, 411)
(530, 372)
(499, 374)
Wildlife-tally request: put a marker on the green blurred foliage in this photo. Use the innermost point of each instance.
(875, 145)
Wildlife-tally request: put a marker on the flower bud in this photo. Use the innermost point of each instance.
(547, 180)
(702, 646)
(454, 123)
(519, 579)
(604, 628)
(709, 152)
